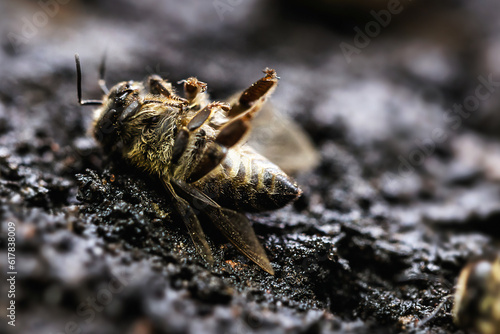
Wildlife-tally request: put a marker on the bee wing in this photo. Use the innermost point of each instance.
(192, 224)
(282, 141)
(233, 225)
(238, 230)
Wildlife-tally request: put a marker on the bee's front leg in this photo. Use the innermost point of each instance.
(159, 86)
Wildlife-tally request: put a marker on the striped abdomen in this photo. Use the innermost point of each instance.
(246, 181)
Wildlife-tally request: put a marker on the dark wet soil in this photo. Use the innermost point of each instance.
(407, 191)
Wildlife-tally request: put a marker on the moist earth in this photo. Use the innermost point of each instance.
(406, 193)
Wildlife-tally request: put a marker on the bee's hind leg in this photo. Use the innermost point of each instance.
(252, 99)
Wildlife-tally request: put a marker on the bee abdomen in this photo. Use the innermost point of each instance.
(246, 181)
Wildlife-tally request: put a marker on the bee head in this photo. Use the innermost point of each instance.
(117, 107)
(118, 104)
(121, 102)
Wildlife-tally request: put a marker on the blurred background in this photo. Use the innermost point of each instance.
(400, 98)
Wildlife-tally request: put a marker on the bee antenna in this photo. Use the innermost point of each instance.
(102, 71)
(79, 84)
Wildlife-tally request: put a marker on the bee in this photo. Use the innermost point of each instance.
(477, 297)
(197, 149)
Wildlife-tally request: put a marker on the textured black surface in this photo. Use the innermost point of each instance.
(386, 222)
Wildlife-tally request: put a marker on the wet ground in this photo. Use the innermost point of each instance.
(401, 103)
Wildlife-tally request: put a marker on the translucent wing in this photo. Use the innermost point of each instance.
(282, 141)
(192, 224)
(233, 225)
(238, 230)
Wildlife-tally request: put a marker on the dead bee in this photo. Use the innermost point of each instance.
(477, 297)
(197, 150)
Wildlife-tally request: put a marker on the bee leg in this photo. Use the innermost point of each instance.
(235, 226)
(212, 157)
(229, 135)
(159, 86)
(194, 91)
(192, 223)
(180, 145)
(234, 131)
(205, 114)
(182, 138)
(251, 100)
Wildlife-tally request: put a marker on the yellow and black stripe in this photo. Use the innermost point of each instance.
(246, 181)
